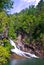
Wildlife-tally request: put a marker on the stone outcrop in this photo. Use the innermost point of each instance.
(31, 48)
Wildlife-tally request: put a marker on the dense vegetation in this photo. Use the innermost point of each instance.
(4, 43)
(29, 23)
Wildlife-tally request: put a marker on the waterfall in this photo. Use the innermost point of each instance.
(21, 53)
(12, 43)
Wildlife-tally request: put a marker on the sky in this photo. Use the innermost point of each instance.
(19, 5)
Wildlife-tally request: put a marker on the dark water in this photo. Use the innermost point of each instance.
(27, 62)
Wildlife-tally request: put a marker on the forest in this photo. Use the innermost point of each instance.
(29, 23)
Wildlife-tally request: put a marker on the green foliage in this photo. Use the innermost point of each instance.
(3, 21)
(4, 55)
(30, 22)
(11, 32)
(7, 44)
(5, 4)
(40, 5)
(4, 51)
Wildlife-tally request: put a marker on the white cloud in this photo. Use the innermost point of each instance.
(28, 1)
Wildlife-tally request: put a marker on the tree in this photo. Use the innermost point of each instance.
(3, 21)
(11, 31)
(40, 5)
(5, 4)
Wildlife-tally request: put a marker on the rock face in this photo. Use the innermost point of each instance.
(31, 48)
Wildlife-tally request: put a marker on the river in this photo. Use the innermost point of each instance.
(27, 62)
(31, 61)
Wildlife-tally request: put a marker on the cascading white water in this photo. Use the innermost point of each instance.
(21, 53)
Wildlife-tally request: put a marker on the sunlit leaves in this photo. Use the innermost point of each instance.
(3, 21)
(4, 54)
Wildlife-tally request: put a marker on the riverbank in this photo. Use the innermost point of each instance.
(15, 56)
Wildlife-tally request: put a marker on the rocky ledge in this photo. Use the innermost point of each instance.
(37, 49)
